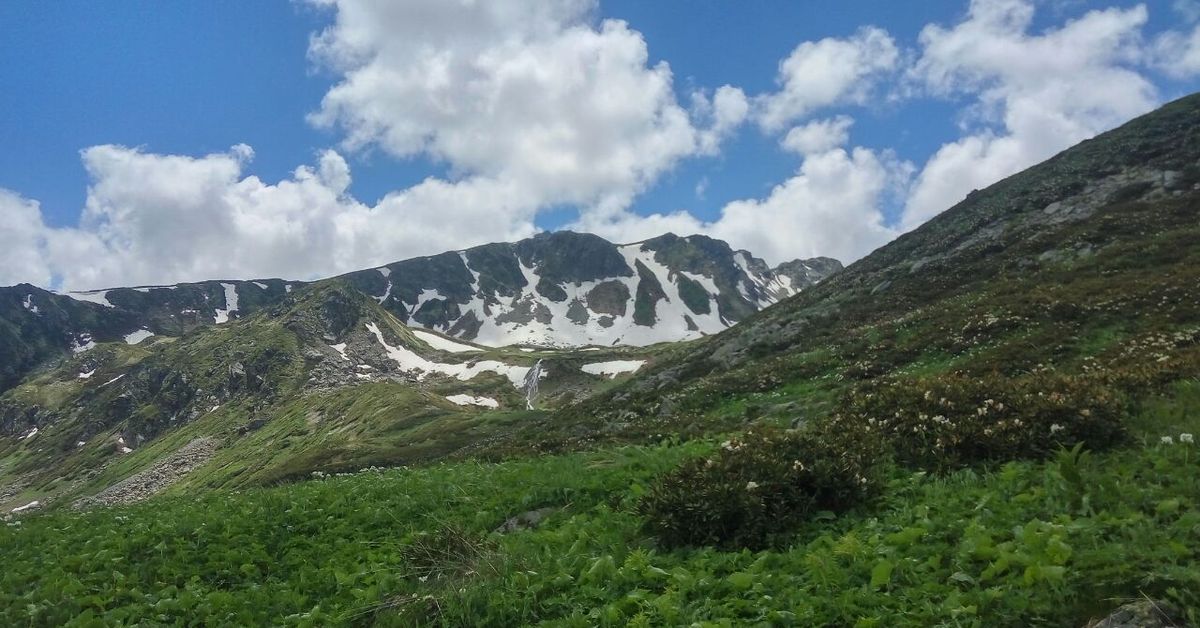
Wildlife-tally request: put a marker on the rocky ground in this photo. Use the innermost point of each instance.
(164, 473)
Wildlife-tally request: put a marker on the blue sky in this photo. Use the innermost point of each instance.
(192, 79)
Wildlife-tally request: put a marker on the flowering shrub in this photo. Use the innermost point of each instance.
(758, 485)
(952, 420)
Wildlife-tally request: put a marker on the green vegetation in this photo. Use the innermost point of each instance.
(1052, 542)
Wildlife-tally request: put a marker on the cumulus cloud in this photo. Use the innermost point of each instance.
(827, 72)
(526, 91)
(831, 206)
(723, 114)
(22, 241)
(1034, 94)
(818, 136)
(1177, 53)
(152, 218)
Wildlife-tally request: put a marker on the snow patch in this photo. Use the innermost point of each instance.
(30, 434)
(31, 505)
(28, 303)
(410, 361)
(83, 343)
(613, 368)
(468, 400)
(92, 296)
(231, 304)
(138, 336)
(112, 380)
(261, 285)
(385, 271)
(442, 343)
(426, 295)
(87, 374)
(341, 349)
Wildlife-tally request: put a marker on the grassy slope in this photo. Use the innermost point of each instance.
(1013, 545)
(994, 285)
(191, 379)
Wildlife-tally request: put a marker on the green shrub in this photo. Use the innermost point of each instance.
(952, 420)
(757, 486)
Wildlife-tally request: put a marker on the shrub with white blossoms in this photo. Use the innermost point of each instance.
(758, 485)
(952, 420)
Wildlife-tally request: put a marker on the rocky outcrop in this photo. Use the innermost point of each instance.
(158, 477)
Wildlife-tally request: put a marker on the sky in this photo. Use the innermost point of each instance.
(146, 143)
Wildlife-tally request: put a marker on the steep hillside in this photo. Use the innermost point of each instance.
(558, 289)
(1076, 259)
(37, 326)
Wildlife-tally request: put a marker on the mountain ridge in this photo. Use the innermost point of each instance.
(496, 294)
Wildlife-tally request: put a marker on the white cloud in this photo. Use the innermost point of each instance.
(818, 136)
(723, 114)
(831, 206)
(155, 218)
(1177, 53)
(526, 91)
(1034, 95)
(827, 72)
(22, 241)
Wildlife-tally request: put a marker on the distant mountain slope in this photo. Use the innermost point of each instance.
(571, 289)
(1064, 262)
(556, 289)
(324, 379)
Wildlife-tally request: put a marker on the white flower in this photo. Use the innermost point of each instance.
(1185, 438)
(1167, 440)
(1056, 428)
(751, 485)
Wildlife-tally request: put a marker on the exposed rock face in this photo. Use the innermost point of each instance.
(572, 289)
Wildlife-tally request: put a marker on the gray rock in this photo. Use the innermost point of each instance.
(1143, 614)
(526, 520)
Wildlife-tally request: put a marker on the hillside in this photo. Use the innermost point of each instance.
(989, 421)
(1073, 260)
(558, 289)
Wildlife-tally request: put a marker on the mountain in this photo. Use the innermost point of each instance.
(267, 379)
(559, 289)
